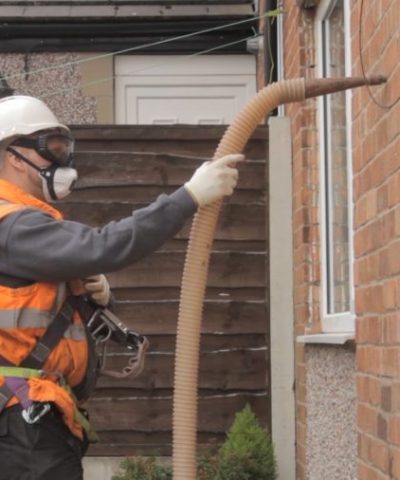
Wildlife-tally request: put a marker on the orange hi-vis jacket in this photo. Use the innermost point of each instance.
(26, 312)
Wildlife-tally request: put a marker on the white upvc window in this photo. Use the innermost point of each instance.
(334, 118)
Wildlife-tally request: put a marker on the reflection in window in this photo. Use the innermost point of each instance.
(337, 233)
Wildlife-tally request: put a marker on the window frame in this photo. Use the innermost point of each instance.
(343, 322)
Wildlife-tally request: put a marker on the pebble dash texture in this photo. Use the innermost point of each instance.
(58, 87)
(331, 413)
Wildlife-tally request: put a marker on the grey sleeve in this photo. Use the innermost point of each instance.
(34, 246)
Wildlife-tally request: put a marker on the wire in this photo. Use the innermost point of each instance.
(270, 14)
(377, 102)
(271, 55)
(105, 79)
(142, 47)
(151, 154)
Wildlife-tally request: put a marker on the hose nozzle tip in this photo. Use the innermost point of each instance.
(376, 80)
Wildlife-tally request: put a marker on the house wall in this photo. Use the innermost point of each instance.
(326, 431)
(72, 90)
(320, 451)
(376, 162)
(348, 400)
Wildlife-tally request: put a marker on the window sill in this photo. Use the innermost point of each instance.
(327, 338)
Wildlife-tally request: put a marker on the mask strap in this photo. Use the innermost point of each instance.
(23, 158)
(45, 172)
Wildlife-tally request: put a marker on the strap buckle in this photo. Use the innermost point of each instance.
(35, 412)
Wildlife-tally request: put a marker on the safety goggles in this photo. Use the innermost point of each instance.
(55, 147)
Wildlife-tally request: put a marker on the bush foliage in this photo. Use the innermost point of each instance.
(246, 454)
(139, 468)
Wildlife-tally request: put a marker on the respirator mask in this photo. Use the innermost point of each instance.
(59, 178)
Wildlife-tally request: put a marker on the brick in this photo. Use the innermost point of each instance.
(300, 373)
(395, 398)
(300, 471)
(369, 299)
(395, 464)
(391, 362)
(386, 398)
(391, 154)
(301, 453)
(379, 454)
(367, 239)
(367, 418)
(368, 330)
(394, 430)
(393, 258)
(363, 447)
(301, 431)
(369, 359)
(397, 221)
(394, 190)
(367, 269)
(368, 389)
(384, 263)
(391, 326)
(367, 472)
(382, 427)
(382, 198)
(390, 294)
(301, 413)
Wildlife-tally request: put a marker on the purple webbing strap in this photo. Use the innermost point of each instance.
(14, 386)
(20, 388)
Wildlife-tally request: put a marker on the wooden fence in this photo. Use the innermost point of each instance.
(121, 169)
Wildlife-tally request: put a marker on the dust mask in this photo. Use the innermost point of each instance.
(57, 182)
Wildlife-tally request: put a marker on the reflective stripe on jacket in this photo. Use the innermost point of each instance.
(26, 312)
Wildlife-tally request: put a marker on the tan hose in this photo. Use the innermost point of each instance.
(197, 260)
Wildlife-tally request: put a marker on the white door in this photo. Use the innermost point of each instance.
(175, 89)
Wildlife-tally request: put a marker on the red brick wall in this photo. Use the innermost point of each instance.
(299, 61)
(376, 165)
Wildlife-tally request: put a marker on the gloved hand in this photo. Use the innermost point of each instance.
(213, 180)
(98, 289)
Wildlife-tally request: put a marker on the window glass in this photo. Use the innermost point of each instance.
(337, 234)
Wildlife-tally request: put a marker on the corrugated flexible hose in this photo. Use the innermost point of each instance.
(195, 272)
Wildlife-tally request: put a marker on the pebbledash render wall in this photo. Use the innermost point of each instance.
(348, 398)
(67, 82)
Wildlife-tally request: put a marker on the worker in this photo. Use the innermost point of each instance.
(47, 365)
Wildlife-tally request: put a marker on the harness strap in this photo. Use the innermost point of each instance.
(16, 376)
(79, 416)
(51, 337)
(11, 387)
(5, 394)
(17, 385)
(88, 383)
(22, 374)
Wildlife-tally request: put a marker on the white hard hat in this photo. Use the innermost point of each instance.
(23, 115)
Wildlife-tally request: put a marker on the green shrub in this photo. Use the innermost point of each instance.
(139, 468)
(207, 464)
(246, 454)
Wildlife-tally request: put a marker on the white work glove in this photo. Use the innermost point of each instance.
(98, 289)
(213, 180)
